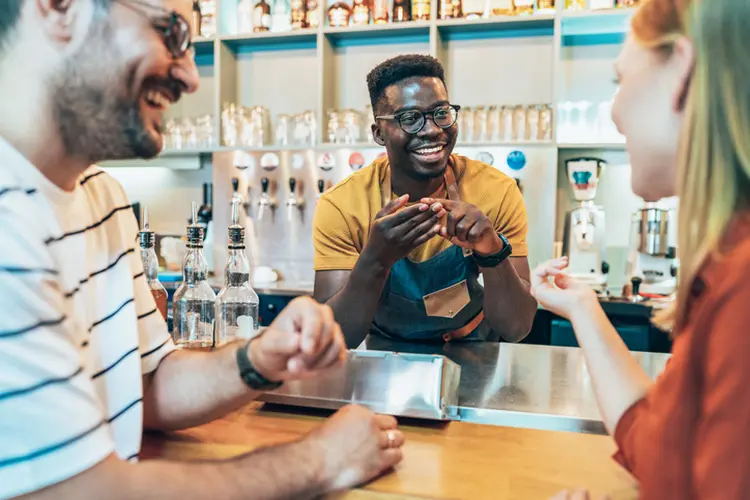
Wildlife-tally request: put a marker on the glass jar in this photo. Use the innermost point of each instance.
(338, 15)
(532, 123)
(523, 7)
(545, 123)
(380, 11)
(361, 12)
(480, 124)
(519, 123)
(420, 10)
(506, 123)
(401, 11)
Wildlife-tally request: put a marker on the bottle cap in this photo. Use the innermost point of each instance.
(236, 231)
(194, 231)
(146, 236)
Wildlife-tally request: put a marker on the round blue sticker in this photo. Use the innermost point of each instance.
(516, 160)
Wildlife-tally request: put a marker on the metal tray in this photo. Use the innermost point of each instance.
(407, 385)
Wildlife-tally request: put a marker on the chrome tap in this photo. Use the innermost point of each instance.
(293, 200)
(236, 196)
(265, 201)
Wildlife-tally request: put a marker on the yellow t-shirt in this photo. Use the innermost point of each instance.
(345, 213)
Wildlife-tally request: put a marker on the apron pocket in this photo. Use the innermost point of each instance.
(448, 302)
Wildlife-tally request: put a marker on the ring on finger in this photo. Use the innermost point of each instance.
(391, 439)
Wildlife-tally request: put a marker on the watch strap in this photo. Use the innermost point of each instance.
(249, 374)
(495, 260)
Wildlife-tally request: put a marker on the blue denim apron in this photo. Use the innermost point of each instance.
(439, 299)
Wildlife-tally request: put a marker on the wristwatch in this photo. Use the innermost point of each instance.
(494, 260)
(252, 377)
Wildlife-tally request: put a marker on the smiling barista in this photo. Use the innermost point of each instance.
(400, 244)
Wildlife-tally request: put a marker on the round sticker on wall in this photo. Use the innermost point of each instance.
(326, 162)
(269, 161)
(486, 157)
(382, 154)
(516, 160)
(356, 161)
(298, 161)
(243, 161)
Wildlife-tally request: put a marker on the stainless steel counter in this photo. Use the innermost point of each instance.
(518, 385)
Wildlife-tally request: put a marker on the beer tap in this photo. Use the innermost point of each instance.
(321, 187)
(265, 201)
(293, 200)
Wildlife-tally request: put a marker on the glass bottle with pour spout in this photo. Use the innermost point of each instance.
(151, 265)
(237, 303)
(193, 302)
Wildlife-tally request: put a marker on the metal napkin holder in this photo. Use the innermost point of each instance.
(400, 384)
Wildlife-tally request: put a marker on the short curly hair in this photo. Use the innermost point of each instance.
(400, 68)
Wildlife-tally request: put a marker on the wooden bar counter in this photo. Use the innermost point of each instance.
(441, 460)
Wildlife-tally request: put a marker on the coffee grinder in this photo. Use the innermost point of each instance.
(652, 259)
(584, 235)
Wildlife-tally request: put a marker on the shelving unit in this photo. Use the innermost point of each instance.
(322, 68)
(544, 58)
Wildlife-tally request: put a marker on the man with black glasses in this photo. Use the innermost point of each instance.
(400, 245)
(86, 361)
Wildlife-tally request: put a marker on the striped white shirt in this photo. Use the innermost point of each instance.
(78, 326)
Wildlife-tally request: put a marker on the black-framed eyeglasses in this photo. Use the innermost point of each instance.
(412, 121)
(173, 27)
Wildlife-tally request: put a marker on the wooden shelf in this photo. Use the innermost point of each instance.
(497, 27)
(612, 146)
(305, 38)
(378, 32)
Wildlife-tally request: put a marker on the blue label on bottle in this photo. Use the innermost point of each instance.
(516, 160)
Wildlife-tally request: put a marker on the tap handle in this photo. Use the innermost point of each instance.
(235, 184)
(636, 282)
(292, 185)
(264, 185)
(321, 186)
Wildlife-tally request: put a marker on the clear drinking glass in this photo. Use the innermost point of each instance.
(466, 124)
(532, 123)
(493, 124)
(519, 123)
(332, 127)
(283, 126)
(311, 120)
(506, 123)
(480, 124)
(545, 123)
(229, 132)
(353, 126)
(189, 134)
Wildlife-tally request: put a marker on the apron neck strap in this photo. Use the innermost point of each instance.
(449, 178)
